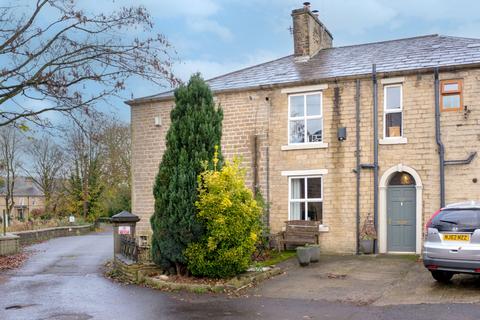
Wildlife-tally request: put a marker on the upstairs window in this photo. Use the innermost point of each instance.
(305, 119)
(451, 95)
(393, 111)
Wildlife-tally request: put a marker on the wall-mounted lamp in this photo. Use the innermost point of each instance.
(342, 134)
(158, 121)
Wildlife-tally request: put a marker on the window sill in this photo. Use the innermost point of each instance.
(399, 140)
(315, 145)
(323, 228)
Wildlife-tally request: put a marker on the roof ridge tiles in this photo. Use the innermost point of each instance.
(388, 41)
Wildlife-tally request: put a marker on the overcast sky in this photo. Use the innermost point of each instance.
(216, 37)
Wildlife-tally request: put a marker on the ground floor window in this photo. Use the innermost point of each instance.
(21, 213)
(306, 198)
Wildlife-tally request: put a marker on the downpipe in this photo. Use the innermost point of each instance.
(375, 153)
(438, 138)
(358, 164)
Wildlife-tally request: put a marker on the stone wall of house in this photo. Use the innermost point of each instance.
(461, 136)
(264, 113)
(30, 203)
(148, 145)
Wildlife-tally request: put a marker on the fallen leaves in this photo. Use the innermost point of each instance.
(13, 261)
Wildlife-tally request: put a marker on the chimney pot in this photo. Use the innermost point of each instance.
(306, 5)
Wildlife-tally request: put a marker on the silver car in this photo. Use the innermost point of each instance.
(452, 243)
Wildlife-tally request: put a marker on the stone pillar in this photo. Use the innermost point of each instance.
(9, 244)
(123, 223)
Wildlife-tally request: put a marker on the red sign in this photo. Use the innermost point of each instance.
(124, 230)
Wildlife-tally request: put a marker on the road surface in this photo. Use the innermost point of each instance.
(63, 280)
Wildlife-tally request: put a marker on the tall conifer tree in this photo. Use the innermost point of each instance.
(195, 130)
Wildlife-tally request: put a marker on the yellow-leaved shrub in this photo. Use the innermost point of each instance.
(232, 220)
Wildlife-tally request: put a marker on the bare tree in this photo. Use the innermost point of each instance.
(47, 161)
(75, 59)
(85, 185)
(10, 151)
(116, 149)
(115, 140)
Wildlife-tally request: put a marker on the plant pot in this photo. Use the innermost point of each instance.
(314, 252)
(303, 256)
(367, 246)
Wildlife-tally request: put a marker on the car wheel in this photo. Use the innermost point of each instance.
(442, 276)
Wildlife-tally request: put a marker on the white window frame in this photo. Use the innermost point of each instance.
(305, 118)
(387, 111)
(306, 200)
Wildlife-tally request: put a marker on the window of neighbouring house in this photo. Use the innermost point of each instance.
(306, 198)
(305, 120)
(451, 95)
(20, 214)
(393, 111)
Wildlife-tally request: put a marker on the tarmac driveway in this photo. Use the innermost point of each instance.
(369, 280)
(63, 280)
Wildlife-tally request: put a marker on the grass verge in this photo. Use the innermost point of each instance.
(275, 258)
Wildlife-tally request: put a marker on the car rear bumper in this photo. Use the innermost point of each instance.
(459, 266)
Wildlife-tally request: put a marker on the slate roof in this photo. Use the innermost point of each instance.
(389, 56)
(24, 187)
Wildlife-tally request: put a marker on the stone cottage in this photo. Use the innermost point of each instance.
(27, 196)
(337, 134)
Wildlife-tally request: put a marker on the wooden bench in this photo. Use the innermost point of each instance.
(298, 232)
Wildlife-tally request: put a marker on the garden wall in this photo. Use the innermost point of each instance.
(32, 236)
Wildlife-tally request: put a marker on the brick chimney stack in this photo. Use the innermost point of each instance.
(309, 34)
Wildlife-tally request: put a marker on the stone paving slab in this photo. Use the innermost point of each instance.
(368, 280)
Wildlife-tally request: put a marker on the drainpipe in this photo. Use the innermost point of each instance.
(255, 165)
(269, 107)
(441, 147)
(375, 151)
(357, 155)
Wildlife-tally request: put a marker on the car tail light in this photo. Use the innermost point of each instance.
(432, 267)
(429, 223)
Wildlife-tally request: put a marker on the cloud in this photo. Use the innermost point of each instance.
(197, 15)
(187, 8)
(356, 17)
(211, 26)
(213, 68)
(168, 8)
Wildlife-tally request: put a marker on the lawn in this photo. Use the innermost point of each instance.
(276, 257)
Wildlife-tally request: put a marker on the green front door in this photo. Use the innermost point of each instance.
(401, 218)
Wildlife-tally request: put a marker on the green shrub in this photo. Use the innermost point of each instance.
(232, 218)
(195, 130)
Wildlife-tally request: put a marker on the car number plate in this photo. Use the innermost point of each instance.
(456, 237)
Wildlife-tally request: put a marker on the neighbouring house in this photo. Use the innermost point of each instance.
(27, 196)
(387, 129)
